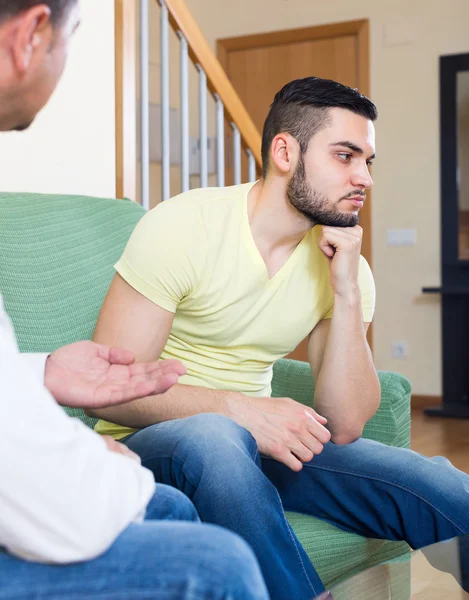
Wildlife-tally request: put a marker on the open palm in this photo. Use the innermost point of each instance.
(90, 375)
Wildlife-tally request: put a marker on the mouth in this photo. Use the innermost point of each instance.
(357, 201)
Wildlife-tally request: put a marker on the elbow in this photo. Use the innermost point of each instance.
(71, 544)
(91, 412)
(346, 435)
(82, 551)
(342, 439)
(91, 548)
(82, 543)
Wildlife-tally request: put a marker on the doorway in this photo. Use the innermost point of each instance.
(259, 65)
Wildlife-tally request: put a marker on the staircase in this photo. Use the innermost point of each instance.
(180, 124)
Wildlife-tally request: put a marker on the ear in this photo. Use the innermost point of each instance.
(33, 29)
(284, 152)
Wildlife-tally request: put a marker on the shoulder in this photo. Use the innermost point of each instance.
(194, 207)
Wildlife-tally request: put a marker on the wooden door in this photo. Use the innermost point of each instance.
(259, 65)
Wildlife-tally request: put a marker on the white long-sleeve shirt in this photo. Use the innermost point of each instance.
(64, 497)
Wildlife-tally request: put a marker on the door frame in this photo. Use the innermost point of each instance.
(359, 28)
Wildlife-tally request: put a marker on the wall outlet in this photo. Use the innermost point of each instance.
(194, 155)
(399, 350)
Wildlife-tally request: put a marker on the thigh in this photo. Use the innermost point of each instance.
(377, 491)
(205, 445)
(169, 504)
(152, 560)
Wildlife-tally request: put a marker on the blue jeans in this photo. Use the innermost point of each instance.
(156, 559)
(365, 487)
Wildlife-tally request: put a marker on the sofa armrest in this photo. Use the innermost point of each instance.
(391, 423)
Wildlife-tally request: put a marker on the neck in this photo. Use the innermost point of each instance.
(9, 95)
(274, 222)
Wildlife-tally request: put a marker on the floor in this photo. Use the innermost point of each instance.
(434, 436)
(446, 437)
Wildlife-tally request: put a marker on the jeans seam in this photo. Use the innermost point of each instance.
(292, 538)
(391, 483)
(189, 479)
(122, 592)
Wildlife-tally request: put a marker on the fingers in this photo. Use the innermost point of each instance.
(289, 459)
(113, 394)
(304, 452)
(334, 238)
(322, 434)
(116, 356)
(317, 416)
(312, 445)
(302, 441)
(326, 248)
(356, 230)
(158, 368)
(118, 448)
(157, 386)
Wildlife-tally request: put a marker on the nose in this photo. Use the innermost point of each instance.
(362, 178)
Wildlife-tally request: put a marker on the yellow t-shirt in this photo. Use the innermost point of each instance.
(194, 255)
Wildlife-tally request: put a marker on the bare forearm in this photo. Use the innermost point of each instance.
(347, 389)
(179, 402)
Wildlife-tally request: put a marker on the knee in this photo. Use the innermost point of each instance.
(169, 504)
(216, 434)
(234, 565)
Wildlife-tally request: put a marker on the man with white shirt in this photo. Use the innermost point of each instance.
(69, 497)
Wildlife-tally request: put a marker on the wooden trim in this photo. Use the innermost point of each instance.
(217, 80)
(126, 98)
(418, 401)
(276, 38)
(222, 55)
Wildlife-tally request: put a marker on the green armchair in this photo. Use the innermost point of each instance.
(56, 264)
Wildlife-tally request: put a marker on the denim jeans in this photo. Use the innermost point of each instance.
(365, 487)
(159, 558)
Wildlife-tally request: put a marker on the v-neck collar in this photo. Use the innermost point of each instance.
(254, 250)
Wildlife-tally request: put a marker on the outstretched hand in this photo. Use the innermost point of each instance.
(90, 375)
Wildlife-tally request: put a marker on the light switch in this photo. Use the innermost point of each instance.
(402, 237)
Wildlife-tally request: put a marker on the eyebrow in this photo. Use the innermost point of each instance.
(353, 147)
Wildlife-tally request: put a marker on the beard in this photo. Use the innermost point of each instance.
(313, 205)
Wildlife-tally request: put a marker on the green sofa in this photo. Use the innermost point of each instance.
(56, 264)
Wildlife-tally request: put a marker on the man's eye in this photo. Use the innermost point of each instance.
(344, 156)
(369, 163)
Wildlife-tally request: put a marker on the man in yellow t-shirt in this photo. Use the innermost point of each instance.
(228, 281)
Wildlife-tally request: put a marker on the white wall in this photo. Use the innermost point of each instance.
(71, 146)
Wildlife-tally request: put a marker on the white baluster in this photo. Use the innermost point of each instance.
(185, 173)
(236, 155)
(145, 104)
(165, 116)
(220, 142)
(203, 127)
(251, 166)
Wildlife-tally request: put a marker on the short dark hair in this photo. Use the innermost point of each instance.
(11, 8)
(301, 109)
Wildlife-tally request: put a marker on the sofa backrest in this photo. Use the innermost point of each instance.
(56, 263)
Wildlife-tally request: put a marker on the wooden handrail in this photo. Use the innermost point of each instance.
(217, 80)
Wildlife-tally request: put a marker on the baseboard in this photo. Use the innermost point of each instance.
(419, 402)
